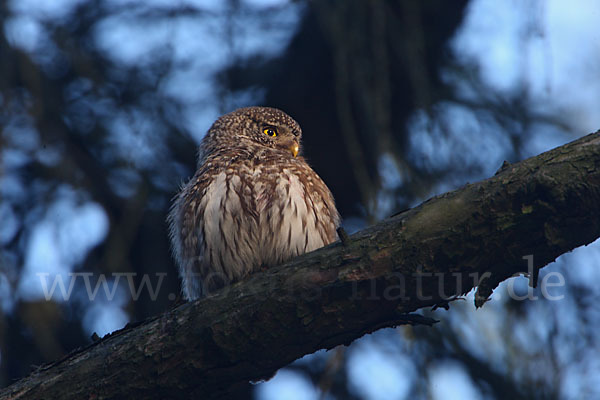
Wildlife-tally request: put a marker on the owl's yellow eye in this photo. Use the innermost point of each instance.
(270, 131)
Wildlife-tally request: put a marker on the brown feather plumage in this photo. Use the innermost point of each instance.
(251, 204)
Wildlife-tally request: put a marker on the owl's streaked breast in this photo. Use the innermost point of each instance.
(251, 217)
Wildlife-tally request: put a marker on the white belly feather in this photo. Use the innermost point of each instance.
(281, 227)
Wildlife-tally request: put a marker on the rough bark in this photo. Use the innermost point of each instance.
(544, 206)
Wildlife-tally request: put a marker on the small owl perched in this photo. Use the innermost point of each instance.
(252, 203)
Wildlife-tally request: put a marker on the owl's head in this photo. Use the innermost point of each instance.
(267, 127)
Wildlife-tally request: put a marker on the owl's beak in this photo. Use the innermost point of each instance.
(294, 148)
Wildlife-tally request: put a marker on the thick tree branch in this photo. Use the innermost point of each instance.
(544, 206)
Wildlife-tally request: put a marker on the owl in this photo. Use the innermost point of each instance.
(253, 202)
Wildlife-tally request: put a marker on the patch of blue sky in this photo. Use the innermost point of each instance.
(481, 329)
(390, 172)
(58, 243)
(10, 224)
(581, 380)
(384, 204)
(458, 137)
(198, 122)
(489, 35)
(105, 312)
(449, 381)
(42, 257)
(12, 186)
(571, 26)
(104, 318)
(50, 9)
(245, 98)
(267, 39)
(287, 385)
(24, 32)
(486, 330)
(531, 334)
(18, 133)
(583, 263)
(209, 5)
(13, 158)
(124, 181)
(571, 382)
(266, 3)
(192, 85)
(79, 229)
(318, 356)
(379, 372)
(49, 155)
(353, 224)
(133, 137)
(129, 39)
(553, 136)
(207, 40)
(543, 46)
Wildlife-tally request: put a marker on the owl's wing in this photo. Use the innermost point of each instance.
(322, 204)
(186, 233)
